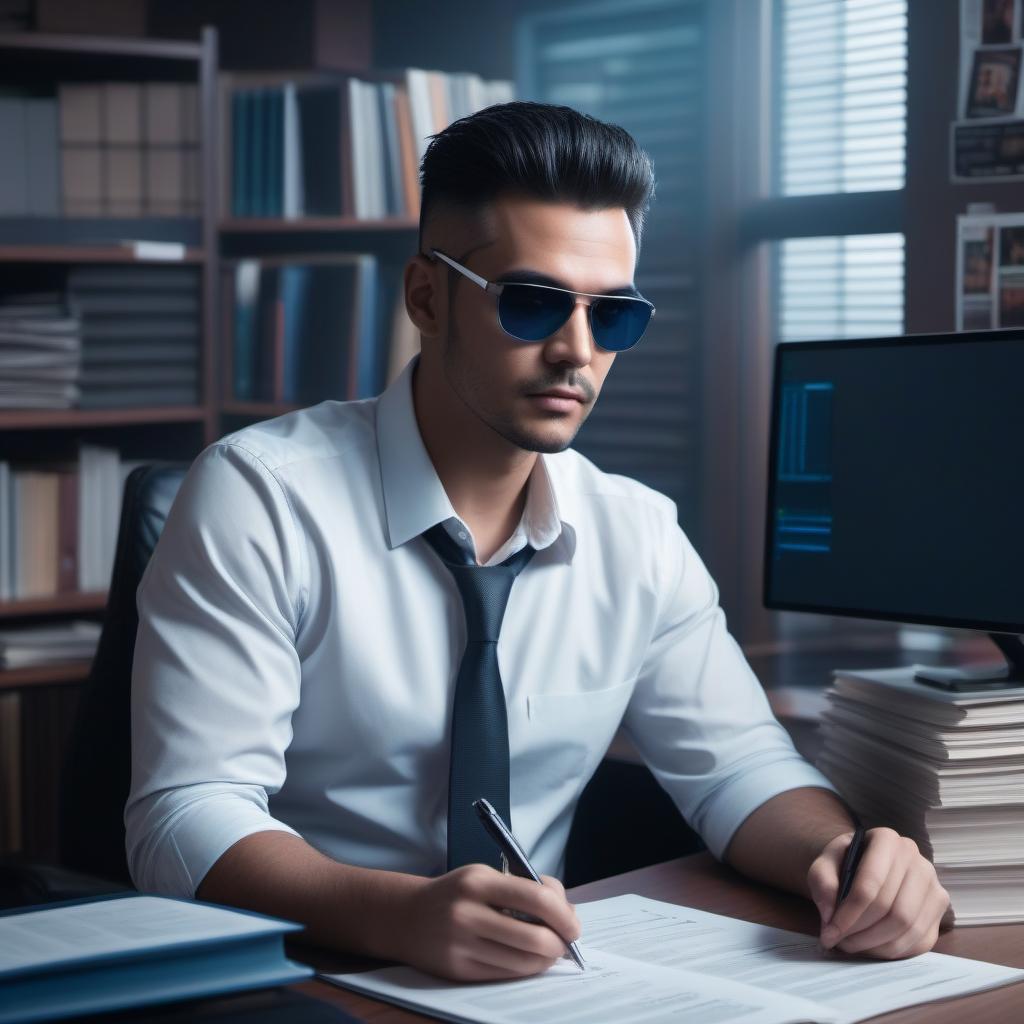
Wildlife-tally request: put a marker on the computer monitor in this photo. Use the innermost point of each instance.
(896, 485)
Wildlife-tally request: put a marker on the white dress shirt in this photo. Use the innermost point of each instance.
(299, 642)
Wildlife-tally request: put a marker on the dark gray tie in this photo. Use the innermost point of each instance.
(479, 752)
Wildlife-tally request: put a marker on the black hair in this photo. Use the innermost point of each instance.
(539, 150)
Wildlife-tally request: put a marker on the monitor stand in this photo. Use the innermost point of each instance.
(982, 679)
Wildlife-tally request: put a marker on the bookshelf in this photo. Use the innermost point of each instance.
(44, 675)
(71, 419)
(212, 241)
(343, 225)
(41, 253)
(60, 604)
(81, 254)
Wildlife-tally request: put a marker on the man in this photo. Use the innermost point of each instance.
(304, 643)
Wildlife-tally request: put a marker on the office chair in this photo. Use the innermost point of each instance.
(97, 770)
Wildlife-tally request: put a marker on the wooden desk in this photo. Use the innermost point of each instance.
(699, 881)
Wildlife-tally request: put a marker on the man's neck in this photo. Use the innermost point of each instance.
(484, 476)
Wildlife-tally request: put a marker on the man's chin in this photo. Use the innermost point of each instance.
(544, 442)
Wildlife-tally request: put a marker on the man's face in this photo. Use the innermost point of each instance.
(500, 379)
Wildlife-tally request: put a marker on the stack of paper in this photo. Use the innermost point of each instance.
(47, 645)
(943, 767)
(40, 345)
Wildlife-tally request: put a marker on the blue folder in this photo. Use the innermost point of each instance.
(144, 977)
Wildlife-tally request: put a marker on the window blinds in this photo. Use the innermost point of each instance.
(842, 95)
(841, 113)
(642, 64)
(850, 286)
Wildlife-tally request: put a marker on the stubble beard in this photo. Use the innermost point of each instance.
(468, 388)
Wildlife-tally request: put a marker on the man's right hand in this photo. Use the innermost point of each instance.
(455, 927)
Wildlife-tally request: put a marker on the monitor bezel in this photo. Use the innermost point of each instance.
(907, 340)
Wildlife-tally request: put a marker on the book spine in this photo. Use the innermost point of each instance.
(67, 534)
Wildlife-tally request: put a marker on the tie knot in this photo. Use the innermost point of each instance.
(484, 589)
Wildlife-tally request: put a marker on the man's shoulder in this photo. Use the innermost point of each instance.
(579, 480)
(320, 432)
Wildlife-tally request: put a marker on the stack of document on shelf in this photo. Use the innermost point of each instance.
(655, 962)
(943, 767)
(48, 645)
(107, 954)
(40, 352)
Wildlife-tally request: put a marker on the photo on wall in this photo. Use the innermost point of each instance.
(977, 266)
(994, 82)
(989, 271)
(997, 21)
(1011, 277)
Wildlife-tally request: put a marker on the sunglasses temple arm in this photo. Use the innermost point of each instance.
(466, 272)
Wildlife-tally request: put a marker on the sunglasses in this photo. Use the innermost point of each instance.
(533, 312)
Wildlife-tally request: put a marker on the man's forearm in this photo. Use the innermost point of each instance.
(347, 908)
(450, 925)
(778, 842)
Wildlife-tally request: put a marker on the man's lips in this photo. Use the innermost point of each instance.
(560, 393)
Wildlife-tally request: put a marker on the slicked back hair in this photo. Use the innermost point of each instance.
(537, 150)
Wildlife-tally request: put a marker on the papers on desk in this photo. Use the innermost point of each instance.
(98, 955)
(945, 768)
(656, 962)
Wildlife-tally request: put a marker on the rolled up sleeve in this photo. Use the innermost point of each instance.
(216, 676)
(699, 716)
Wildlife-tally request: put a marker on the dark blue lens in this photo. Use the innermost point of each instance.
(619, 324)
(530, 313)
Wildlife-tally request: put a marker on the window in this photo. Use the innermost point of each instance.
(842, 95)
(839, 167)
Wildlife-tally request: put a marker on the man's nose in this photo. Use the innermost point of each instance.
(572, 342)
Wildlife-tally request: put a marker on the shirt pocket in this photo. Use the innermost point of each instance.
(570, 731)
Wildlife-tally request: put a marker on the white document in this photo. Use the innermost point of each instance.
(116, 927)
(612, 988)
(656, 962)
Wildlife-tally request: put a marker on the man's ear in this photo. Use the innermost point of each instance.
(423, 302)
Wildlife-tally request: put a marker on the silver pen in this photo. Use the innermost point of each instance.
(515, 861)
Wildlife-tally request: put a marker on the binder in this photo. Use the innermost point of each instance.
(126, 950)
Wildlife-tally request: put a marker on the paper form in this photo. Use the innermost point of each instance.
(611, 989)
(651, 963)
(853, 989)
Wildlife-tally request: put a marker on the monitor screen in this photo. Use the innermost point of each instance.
(896, 480)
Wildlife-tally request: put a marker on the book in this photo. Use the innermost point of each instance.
(67, 533)
(10, 772)
(652, 961)
(134, 950)
(153, 310)
(310, 328)
(943, 767)
(48, 645)
(6, 533)
(42, 151)
(319, 146)
(122, 149)
(35, 500)
(40, 352)
(320, 143)
(99, 507)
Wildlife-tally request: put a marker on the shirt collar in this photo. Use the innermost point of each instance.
(415, 499)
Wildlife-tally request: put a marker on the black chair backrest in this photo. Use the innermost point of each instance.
(97, 772)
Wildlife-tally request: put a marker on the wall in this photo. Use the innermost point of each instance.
(932, 200)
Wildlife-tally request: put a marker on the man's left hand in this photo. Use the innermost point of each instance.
(894, 906)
